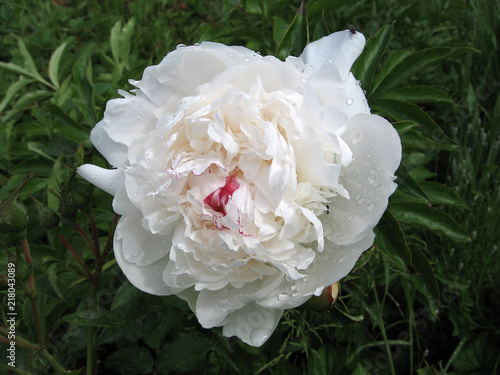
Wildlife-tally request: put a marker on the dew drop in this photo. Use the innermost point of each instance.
(180, 45)
(197, 44)
(230, 54)
(138, 116)
(349, 101)
(369, 208)
(365, 103)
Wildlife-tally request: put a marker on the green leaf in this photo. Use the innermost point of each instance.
(403, 126)
(391, 239)
(400, 110)
(12, 91)
(431, 218)
(296, 36)
(25, 101)
(408, 185)
(29, 64)
(365, 66)
(441, 194)
(185, 353)
(55, 59)
(131, 361)
(417, 94)
(415, 62)
(425, 279)
(125, 38)
(67, 127)
(79, 156)
(51, 272)
(317, 8)
(114, 41)
(414, 139)
(95, 318)
(83, 90)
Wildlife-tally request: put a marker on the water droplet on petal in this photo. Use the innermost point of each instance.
(349, 101)
(180, 45)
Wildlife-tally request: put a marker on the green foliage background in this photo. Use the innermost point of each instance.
(424, 300)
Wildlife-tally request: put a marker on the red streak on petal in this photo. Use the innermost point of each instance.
(219, 198)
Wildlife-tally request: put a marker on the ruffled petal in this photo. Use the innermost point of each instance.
(252, 324)
(142, 256)
(109, 180)
(376, 149)
(341, 49)
(115, 153)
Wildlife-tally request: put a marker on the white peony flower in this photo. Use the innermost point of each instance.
(246, 184)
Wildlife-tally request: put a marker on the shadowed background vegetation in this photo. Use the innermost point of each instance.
(424, 300)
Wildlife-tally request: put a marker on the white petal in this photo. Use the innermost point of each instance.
(130, 239)
(253, 324)
(376, 149)
(130, 118)
(341, 48)
(109, 180)
(355, 101)
(115, 153)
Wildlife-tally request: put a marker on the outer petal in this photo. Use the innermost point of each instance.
(109, 180)
(115, 153)
(341, 49)
(130, 240)
(253, 324)
(179, 73)
(376, 149)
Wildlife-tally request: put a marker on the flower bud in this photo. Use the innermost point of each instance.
(23, 269)
(325, 300)
(48, 218)
(81, 193)
(13, 217)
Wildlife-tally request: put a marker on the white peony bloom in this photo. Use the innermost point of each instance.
(246, 184)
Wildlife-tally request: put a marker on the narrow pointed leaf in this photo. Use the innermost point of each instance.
(54, 62)
(430, 218)
(416, 62)
(441, 194)
(83, 90)
(367, 63)
(417, 94)
(296, 36)
(12, 91)
(391, 239)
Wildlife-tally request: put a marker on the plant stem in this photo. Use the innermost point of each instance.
(94, 235)
(76, 255)
(16, 370)
(384, 335)
(32, 295)
(91, 329)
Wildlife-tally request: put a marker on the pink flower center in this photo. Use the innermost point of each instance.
(219, 198)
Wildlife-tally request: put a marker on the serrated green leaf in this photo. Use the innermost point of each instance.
(430, 218)
(417, 94)
(365, 66)
(12, 91)
(296, 36)
(95, 318)
(415, 62)
(83, 90)
(441, 194)
(55, 59)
